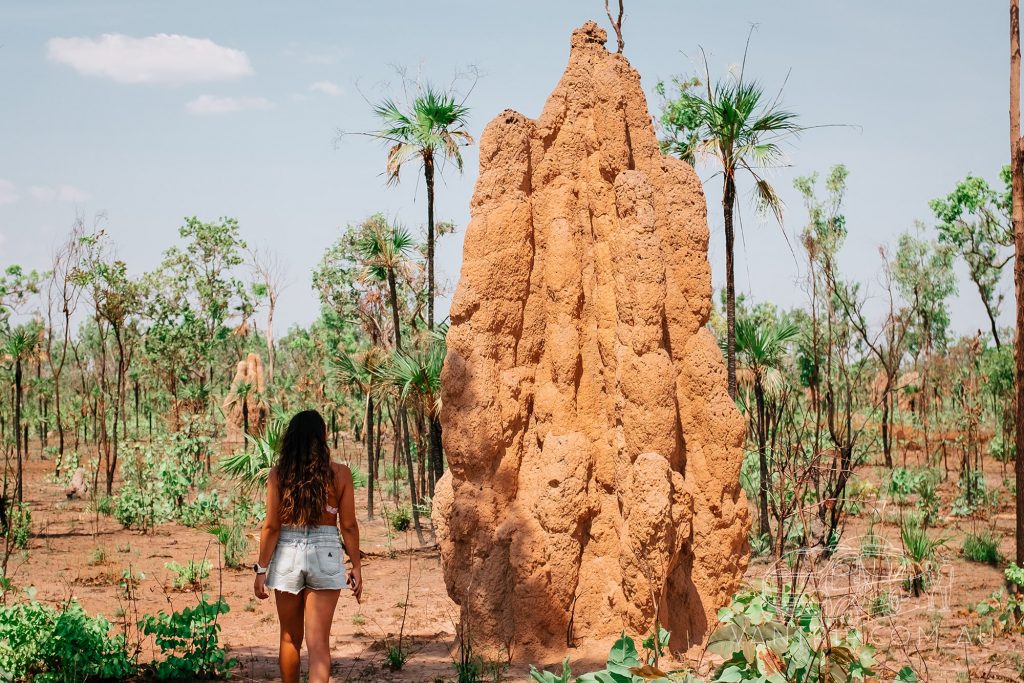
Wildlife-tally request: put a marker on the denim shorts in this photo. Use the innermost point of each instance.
(307, 557)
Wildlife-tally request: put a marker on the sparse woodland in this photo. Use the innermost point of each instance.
(881, 456)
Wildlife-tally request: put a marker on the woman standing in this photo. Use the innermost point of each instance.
(308, 499)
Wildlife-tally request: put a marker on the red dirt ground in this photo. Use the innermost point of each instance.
(940, 632)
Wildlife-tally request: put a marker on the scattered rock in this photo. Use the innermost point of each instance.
(79, 486)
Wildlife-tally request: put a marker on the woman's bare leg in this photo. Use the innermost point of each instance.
(319, 616)
(289, 613)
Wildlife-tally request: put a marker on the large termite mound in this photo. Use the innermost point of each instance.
(594, 450)
(245, 410)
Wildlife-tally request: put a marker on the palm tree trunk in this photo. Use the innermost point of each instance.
(395, 320)
(762, 451)
(1017, 214)
(245, 416)
(728, 202)
(371, 470)
(436, 452)
(410, 475)
(428, 172)
(17, 428)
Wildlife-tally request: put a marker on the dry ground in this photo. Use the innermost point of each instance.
(940, 634)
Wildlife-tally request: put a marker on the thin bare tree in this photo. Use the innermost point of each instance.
(616, 23)
(62, 296)
(271, 276)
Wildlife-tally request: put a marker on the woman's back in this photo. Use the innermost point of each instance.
(335, 492)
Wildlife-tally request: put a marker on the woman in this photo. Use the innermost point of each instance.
(308, 498)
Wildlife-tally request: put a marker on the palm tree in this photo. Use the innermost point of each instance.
(21, 343)
(761, 347)
(384, 248)
(734, 122)
(432, 125)
(251, 467)
(360, 372)
(241, 395)
(417, 377)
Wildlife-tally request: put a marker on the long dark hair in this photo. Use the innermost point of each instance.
(304, 469)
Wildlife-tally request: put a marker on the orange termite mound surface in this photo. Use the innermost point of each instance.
(594, 450)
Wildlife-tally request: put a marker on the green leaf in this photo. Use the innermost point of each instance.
(624, 653)
(730, 674)
(906, 675)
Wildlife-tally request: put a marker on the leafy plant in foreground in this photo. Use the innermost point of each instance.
(42, 643)
(761, 644)
(189, 642)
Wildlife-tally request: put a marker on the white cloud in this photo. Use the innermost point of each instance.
(8, 193)
(42, 194)
(210, 104)
(162, 58)
(61, 193)
(329, 88)
(70, 193)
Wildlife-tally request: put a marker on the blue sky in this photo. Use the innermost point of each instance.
(231, 108)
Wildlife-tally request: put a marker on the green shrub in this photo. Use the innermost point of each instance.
(234, 542)
(135, 509)
(547, 677)
(19, 521)
(97, 555)
(1000, 448)
(759, 544)
(757, 643)
(396, 656)
(750, 475)
(400, 518)
(1015, 576)
(973, 493)
(183, 467)
(871, 544)
(928, 503)
(205, 510)
(919, 552)
(982, 547)
(104, 505)
(902, 482)
(881, 605)
(189, 575)
(189, 642)
(41, 643)
(394, 473)
(140, 504)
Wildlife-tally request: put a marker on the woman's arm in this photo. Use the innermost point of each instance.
(270, 532)
(350, 530)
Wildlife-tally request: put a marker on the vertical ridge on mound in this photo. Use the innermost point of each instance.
(594, 450)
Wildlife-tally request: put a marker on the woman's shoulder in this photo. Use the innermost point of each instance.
(342, 471)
